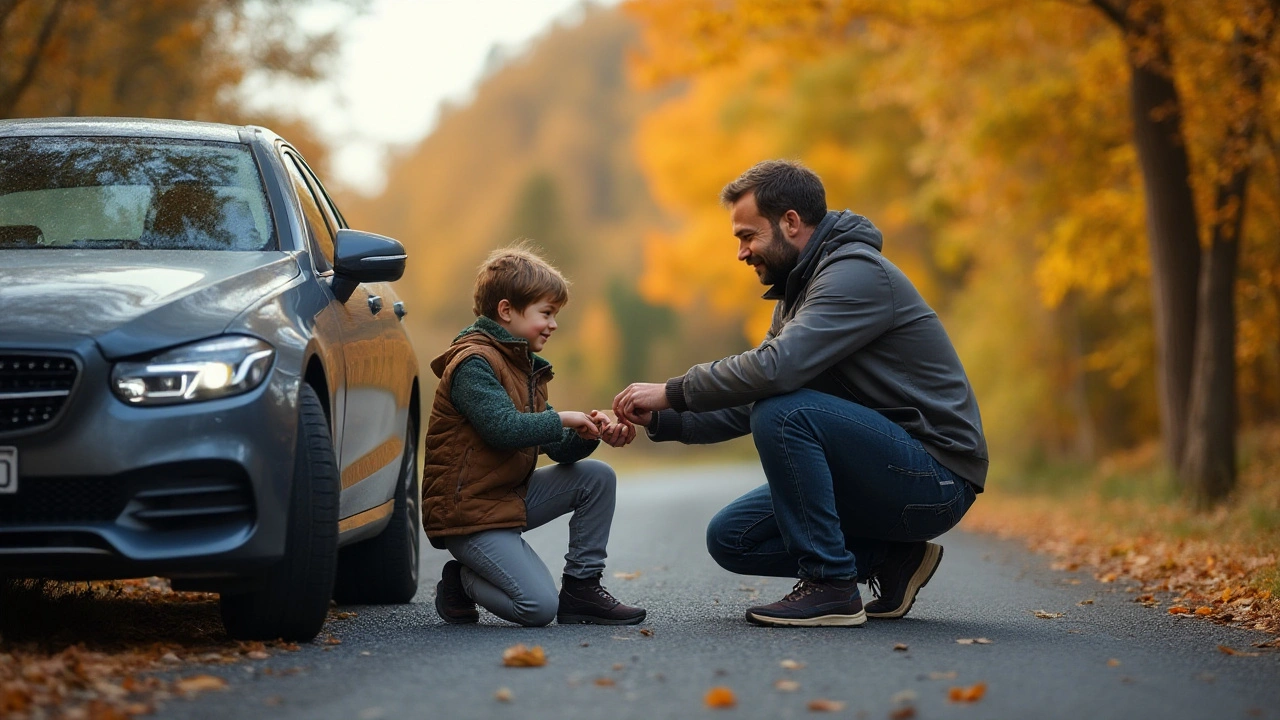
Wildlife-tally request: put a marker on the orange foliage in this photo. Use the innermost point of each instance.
(992, 143)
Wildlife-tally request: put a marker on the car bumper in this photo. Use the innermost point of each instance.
(109, 490)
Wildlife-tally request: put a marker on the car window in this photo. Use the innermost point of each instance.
(322, 195)
(131, 193)
(317, 224)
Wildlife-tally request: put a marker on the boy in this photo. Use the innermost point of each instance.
(489, 421)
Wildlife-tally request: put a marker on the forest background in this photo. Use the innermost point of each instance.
(1087, 192)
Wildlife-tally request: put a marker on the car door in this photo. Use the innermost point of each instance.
(372, 426)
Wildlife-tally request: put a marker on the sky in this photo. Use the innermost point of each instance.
(398, 62)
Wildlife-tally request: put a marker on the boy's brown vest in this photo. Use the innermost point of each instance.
(468, 486)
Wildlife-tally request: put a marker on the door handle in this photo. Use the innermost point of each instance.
(400, 309)
(375, 304)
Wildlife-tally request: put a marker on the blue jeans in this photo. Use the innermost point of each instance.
(845, 484)
(506, 577)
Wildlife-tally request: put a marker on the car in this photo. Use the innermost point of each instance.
(204, 373)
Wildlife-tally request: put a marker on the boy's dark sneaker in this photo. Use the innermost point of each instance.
(584, 600)
(897, 580)
(814, 603)
(452, 604)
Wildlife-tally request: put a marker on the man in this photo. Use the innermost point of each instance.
(866, 425)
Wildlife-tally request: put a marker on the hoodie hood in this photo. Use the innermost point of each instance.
(835, 230)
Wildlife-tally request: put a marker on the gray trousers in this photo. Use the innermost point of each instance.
(506, 577)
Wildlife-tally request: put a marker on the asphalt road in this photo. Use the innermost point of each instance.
(1109, 659)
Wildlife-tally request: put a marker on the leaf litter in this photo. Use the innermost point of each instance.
(93, 649)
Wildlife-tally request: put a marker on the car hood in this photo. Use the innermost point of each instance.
(134, 301)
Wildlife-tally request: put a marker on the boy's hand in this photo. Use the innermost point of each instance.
(586, 427)
(618, 433)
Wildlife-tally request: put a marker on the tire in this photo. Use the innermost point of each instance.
(293, 602)
(384, 568)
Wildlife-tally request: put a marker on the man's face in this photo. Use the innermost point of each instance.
(761, 243)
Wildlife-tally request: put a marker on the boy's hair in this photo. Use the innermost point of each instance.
(779, 186)
(520, 276)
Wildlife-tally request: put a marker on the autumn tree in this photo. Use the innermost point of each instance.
(1015, 108)
(177, 58)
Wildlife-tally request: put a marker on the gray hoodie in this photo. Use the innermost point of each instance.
(848, 323)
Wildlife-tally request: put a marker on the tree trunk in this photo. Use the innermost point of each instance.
(1172, 234)
(1209, 464)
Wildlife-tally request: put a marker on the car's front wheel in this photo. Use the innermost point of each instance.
(294, 600)
(384, 569)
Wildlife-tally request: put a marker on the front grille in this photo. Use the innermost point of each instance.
(33, 388)
(176, 496)
(63, 500)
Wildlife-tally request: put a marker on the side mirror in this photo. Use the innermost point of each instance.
(365, 257)
(361, 257)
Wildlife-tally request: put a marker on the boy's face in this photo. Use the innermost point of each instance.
(535, 323)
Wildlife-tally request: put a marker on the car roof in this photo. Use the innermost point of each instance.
(126, 127)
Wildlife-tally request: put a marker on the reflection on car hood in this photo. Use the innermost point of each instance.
(134, 301)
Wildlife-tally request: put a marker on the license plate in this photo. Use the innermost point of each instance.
(8, 470)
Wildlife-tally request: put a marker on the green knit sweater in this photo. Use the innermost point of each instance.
(482, 400)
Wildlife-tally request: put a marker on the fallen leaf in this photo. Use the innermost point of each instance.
(332, 641)
(983, 641)
(646, 632)
(1085, 602)
(199, 683)
(604, 682)
(964, 641)
(825, 705)
(617, 666)
(906, 712)
(627, 575)
(521, 656)
(900, 647)
(786, 686)
(972, 693)
(1204, 610)
(257, 655)
(1179, 610)
(720, 697)
(503, 695)
(1113, 662)
(790, 664)
(1046, 615)
(1225, 650)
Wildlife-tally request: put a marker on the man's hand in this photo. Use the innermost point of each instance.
(617, 433)
(581, 423)
(637, 403)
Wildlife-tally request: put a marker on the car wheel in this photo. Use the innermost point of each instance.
(294, 601)
(384, 569)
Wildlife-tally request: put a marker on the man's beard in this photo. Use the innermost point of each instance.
(778, 258)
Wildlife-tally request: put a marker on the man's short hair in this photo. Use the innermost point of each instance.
(779, 186)
(520, 276)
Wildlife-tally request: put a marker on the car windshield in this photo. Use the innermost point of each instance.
(130, 193)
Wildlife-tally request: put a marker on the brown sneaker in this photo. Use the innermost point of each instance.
(452, 604)
(814, 603)
(586, 601)
(897, 580)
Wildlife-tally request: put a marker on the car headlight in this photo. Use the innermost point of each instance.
(205, 370)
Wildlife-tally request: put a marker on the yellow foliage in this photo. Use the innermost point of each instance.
(992, 143)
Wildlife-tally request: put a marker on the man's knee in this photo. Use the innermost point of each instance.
(721, 544)
(767, 415)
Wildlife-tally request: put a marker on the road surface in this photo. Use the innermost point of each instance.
(1111, 658)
